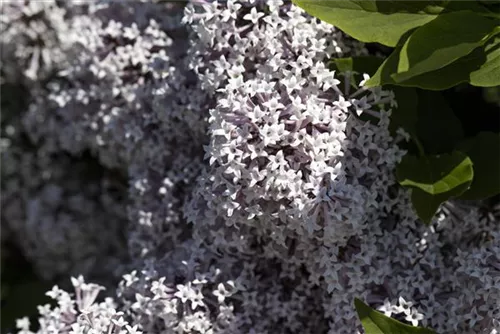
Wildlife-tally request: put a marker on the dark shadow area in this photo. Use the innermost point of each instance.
(22, 289)
(474, 112)
(432, 7)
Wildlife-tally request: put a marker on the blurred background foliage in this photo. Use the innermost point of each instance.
(21, 289)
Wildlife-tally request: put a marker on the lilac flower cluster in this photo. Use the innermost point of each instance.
(32, 43)
(258, 193)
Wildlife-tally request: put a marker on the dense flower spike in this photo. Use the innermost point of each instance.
(33, 43)
(253, 186)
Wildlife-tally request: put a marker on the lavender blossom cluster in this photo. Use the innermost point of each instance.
(205, 156)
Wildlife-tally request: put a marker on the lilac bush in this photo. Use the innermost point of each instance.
(253, 186)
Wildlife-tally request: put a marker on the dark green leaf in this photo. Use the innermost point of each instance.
(438, 129)
(406, 113)
(434, 179)
(426, 205)
(435, 174)
(374, 20)
(488, 75)
(484, 151)
(375, 322)
(441, 42)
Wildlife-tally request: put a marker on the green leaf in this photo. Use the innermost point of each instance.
(441, 42)
(405, 115)
(438, 129)
(426, 205)
(443, 78)
(374, 20)
(434, 179)
(488, 75)
(484, 151)
(432, 174)
(375, 322)
(449, 76)
(480, 67)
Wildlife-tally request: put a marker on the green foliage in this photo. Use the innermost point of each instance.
(443, 78)
(373, 20)
(439, 44)
(434, 179)
(488, 74)
(435, 174)
(484, 151)
(405, 115)
(480, 67)
(375, 322)
(438, 129)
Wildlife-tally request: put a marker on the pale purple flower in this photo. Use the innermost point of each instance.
(253, 16)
